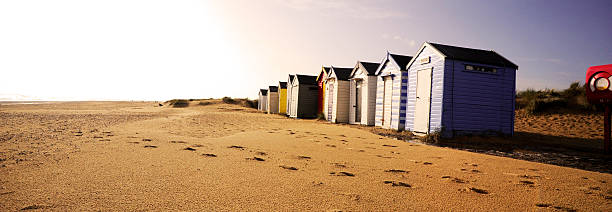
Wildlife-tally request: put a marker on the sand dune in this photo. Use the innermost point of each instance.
(137, 156)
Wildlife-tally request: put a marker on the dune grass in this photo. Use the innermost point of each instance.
(570, 100)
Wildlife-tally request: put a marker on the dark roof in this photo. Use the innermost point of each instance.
(306, 79)
(273, 88)
(291, 76)
(488, 57)
(263, 91)
(370, 67)
(282, 84)
(342, 73)
(401, 60)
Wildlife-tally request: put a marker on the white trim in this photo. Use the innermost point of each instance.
(421, 51)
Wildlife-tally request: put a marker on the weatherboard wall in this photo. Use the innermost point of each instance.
(398, 98)
(368, 98)
(463, 101)
(478, 102)
(282, 100)
(307, 100)
(436, 64)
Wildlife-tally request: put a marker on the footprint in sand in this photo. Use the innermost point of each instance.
(478, 190)
(388, 145)
(339, 165)
(288, 167)
(256, 159)
(301, 157)
(342, 174)
(398, 183)
(150, 146)
(427, 163)
(526, 182)
(133, 142)
(396, 171)
(97, 137)
(209, 155)
(189, 149)
(261, 153)
(104, 140)
(33, 207)
(330, 145)
(146, 139)
(178, 142)
(454, 179)
(235, 147)
(380, 156)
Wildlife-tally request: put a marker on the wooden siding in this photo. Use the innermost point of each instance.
(368, 113)
(464, 102)
(282, 100)
(398, 98)
(272, 103)
(289, 89)
(368, 99)
(294, 98)
(262, 104)
(340, 106)
(307, 104)
(437, 85)
(477, 103)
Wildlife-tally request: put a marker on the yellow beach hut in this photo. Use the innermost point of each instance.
(282, 97)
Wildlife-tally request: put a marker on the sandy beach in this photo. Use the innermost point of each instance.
(118, 156)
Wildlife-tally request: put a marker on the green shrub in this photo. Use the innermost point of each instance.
(228, 100)
(432, 138)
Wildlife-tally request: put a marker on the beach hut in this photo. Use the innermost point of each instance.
(272, 105)
(459, 90)
(282, 97)
(337, 93)
(362, 109)
(321, 83)
(289, 95)
(262, 104)
(304, 96)
(391, 88)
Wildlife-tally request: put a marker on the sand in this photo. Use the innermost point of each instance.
(138, 156)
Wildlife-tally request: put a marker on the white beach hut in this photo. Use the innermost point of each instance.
(272, 103)
(262, 103)
(337, 93)
(362, 109)
(392, 87)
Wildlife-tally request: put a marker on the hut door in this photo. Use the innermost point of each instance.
(423, 99)
(330, 101)
(358, 101)
(388, 91)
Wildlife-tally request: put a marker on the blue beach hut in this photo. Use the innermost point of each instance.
(457, 90)
(391, 88)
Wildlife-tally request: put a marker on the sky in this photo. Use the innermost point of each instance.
(160, 50)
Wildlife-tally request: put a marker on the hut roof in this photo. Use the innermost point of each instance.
(370, 67)
(282, 85)
(342, 73)
(306, 79)
(273, 88)
(489, 57)
(263, 92)
(401, 60)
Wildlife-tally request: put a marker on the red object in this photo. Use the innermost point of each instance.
(601, 96)
(593, 73)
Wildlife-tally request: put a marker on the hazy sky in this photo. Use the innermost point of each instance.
(159, 50)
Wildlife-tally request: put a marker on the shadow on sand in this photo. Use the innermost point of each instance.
(571, 152)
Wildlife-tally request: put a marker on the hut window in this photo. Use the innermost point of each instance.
(480, 69)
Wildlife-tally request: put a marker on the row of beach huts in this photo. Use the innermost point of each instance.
(447, 89)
